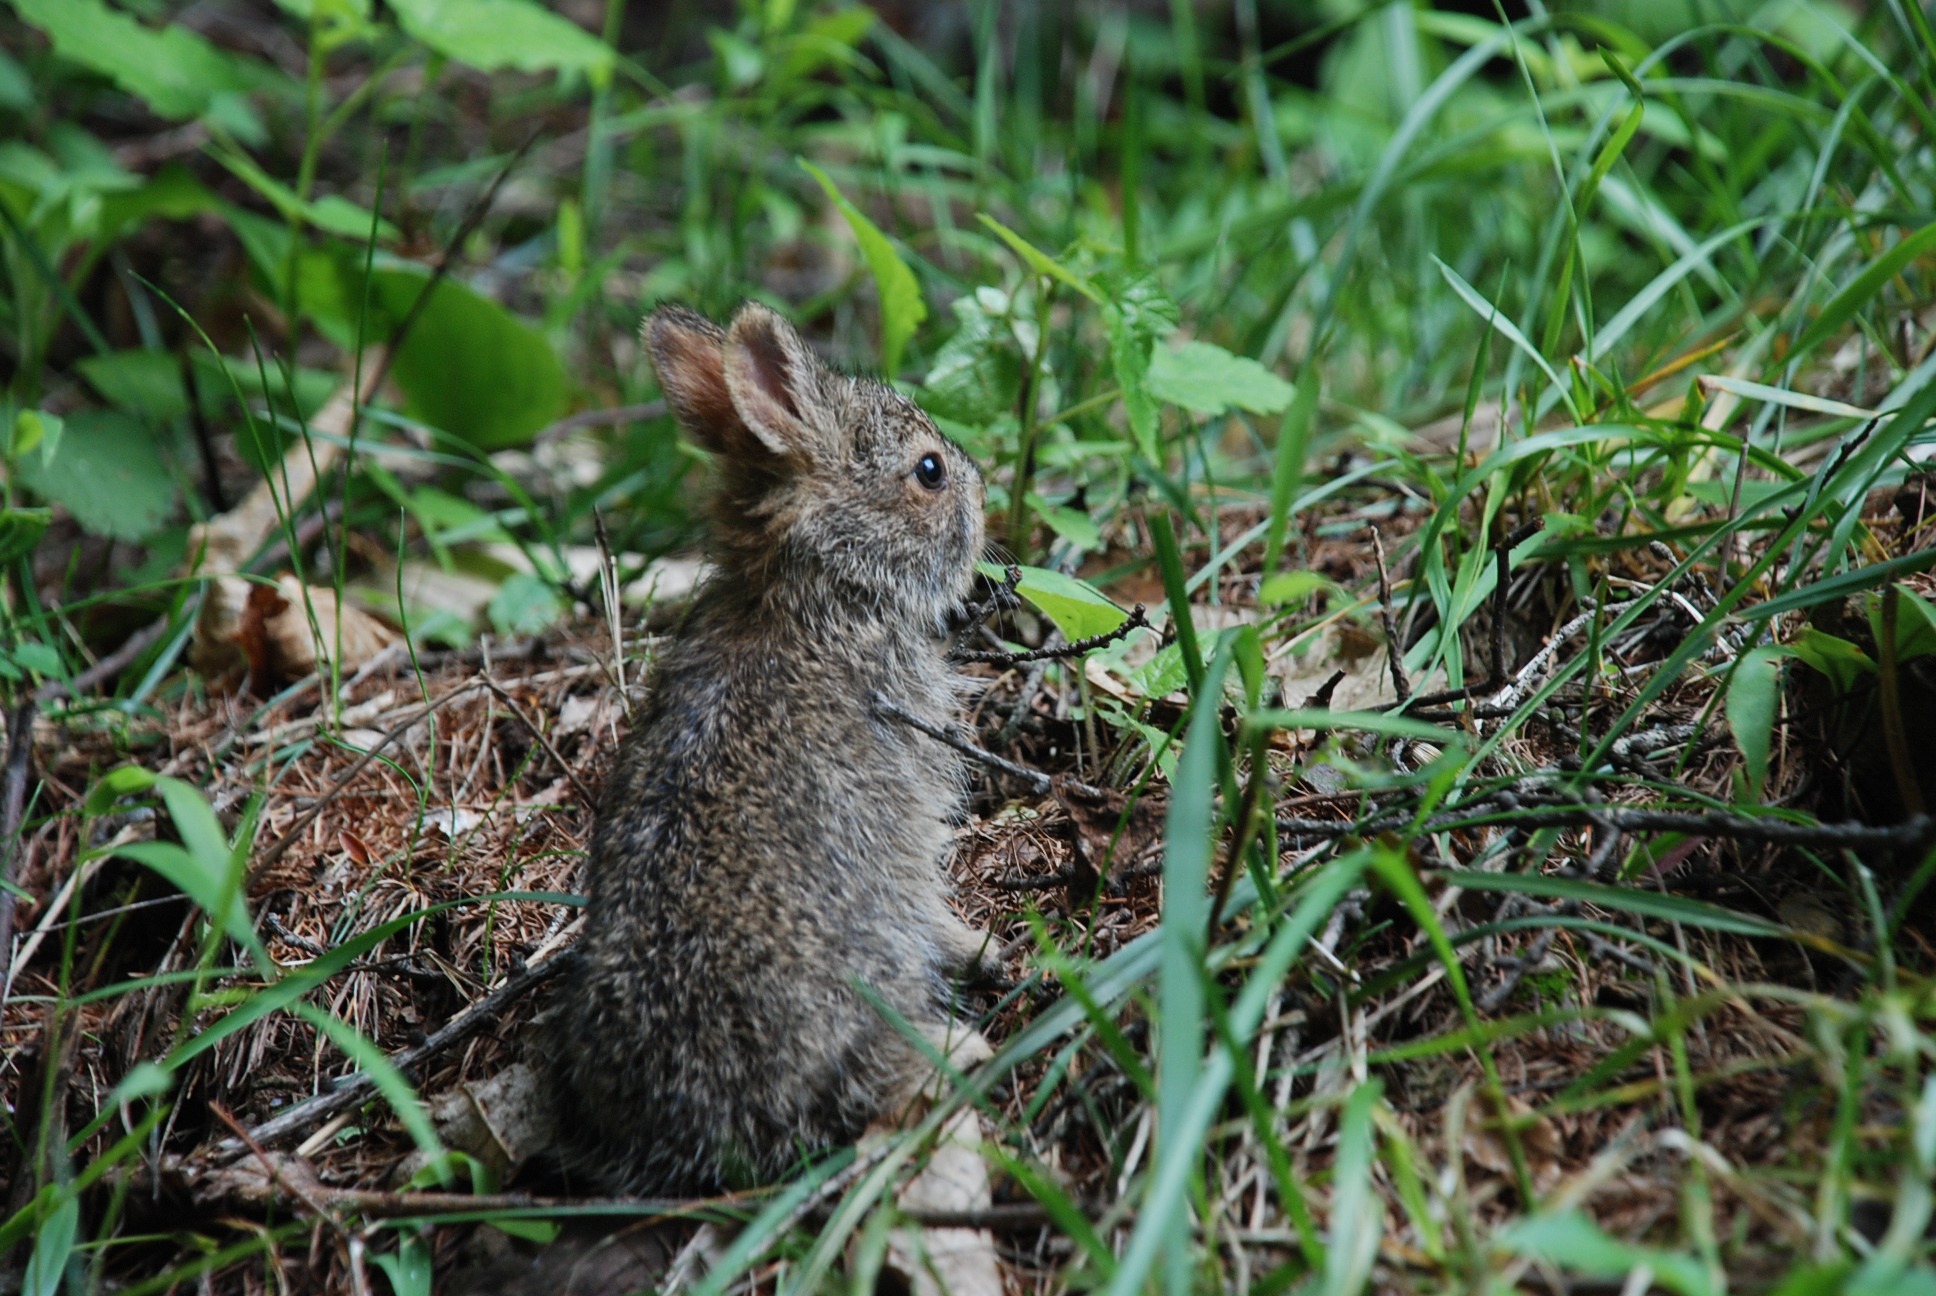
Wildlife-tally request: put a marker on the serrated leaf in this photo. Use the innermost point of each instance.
(108, 475)
(1078, 608)
(1754, 695)
(902, 308)
(1204, 377)
(494, 34)
(976, 376)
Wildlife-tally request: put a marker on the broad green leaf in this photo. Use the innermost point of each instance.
(1843, 306)
(902, 309)
(468, 367)
(186, 873)
(113, 785)
(37, 429)
(1073, 525)
(1841, 661)
(1915, 623)
(176, 71)
(1754, 694)
(494, 34)
(525, 605)
(1206, 378)
(37, 656)
(1078, 608)
(20, 530)
(108, 475)
(408, 1268)
(1574, 1243)
(53, 1243)
(976, 376)
(1136, 314)
(140, 382)
(1291, 587)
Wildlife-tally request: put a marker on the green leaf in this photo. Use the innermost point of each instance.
(1206, 378)
(408, 1268)
(139, 382)
(1073, 525)
(54, 1242)
(20, 530)
(525, 605)
(468, 367)
(976, 376)
(1078, 608)
(1843, 662)
(1843, 306)
(40, 657)
(1041, 262)
(177, 72)
(112, 786)
(1357, 1212)
(1754, 694)
(1291, 587)
(108, 475)
(32, 427)
(494, 34)
(902, 309)
(1915, 623)
(1137, 314)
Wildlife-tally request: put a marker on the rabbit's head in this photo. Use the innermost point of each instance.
(831, 488)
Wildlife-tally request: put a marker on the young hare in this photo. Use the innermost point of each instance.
(768, 857)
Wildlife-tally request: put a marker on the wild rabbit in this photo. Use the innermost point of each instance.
(767, 859)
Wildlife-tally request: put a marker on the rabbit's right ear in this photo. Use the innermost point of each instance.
(689, 353)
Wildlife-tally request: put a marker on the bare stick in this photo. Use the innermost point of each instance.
(1394, 649)
(353, 1090)
(543, 740)
(1038, 782)
(108, 667)
(13, 806)
(1135, 621)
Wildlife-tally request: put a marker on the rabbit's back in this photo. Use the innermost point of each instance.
(766, 843)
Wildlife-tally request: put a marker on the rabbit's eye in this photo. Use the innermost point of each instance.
(931, 472)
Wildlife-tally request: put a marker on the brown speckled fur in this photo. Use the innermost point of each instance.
(766, 845)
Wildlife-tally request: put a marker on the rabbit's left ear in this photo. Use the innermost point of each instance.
(776, 385)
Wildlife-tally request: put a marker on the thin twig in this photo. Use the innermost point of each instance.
(1038, 782)
(356, 1088)
(601, 418)
(543, 740)
(1056, 652)
(108, 667)
(13, 807)
(1394, 649)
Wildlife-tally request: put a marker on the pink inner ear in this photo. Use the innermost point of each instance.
(771, 369)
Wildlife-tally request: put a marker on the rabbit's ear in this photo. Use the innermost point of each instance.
(689, 353)
(775, 381)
